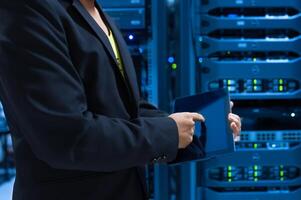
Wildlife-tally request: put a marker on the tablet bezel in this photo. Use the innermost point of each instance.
(216, 94)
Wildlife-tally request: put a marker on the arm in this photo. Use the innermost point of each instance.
(148, 110)
(46, 96)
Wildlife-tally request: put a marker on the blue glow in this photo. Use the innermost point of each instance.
(171, 59)
(277, 17)
(232, 15)
(131, 37)
(200, 60)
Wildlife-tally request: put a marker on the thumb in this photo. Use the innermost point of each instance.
(197, 117)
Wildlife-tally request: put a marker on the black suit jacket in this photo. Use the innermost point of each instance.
(79, 129)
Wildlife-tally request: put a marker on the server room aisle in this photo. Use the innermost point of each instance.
(6, 190)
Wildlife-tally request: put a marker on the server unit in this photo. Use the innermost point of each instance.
(267, 163)
(252, 48)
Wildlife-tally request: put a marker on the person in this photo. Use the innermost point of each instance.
(79, 127)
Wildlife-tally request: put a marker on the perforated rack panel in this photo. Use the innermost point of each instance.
(122, 3)
(252, 47)
(207, 5)
(249, 39)
(128, 18)
(264, 193)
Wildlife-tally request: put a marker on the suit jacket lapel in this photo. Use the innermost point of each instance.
(95, 27)
(126, 57)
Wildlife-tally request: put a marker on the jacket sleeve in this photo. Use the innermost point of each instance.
(146, 109)
(43, 91)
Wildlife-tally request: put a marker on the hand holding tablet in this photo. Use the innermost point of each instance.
(213, 136)
(186, 124)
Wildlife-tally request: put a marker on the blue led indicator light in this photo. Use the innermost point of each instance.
(171, 59)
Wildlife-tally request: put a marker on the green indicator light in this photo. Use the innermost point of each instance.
(229, 174)
(256, 167)
(281, 173)
(255, 81)
(229, 168)
(256, 174)
(174, 66)
(229, 82)
(255, 146)
(281, 88)
(255, 179)
(254, 59)
(281, 81)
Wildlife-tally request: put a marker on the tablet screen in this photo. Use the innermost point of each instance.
(214, 137)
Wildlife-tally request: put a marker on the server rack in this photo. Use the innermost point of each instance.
(252, 48)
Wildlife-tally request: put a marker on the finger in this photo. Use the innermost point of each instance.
(231, 106)
(190, 139)
(233, 119)
(197, 117)
(236, 119)
(236, 130)
(235, 116)
(236, 138)
(192, 131)
(187, 114)
(189, 124)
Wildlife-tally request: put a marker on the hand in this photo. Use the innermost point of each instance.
(186, 125)
(235, 123)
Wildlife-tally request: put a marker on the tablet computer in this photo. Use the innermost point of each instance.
(212, 137)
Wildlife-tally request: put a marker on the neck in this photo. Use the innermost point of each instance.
(88, 4)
